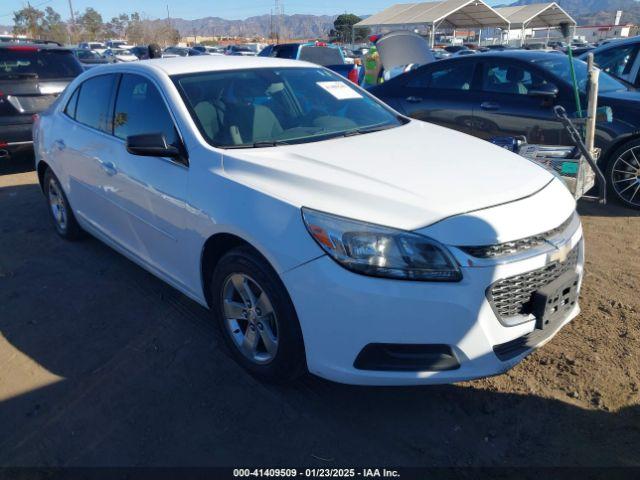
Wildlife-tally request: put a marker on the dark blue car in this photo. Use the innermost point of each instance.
(513, 93)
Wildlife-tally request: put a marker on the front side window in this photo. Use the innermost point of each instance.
(452, 76)
(509, 79)
(559, 66)
(93, 107)
(285, 51)
(141, 110)
(617, 61)
(260, 107)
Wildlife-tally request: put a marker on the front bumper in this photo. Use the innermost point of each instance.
(342, 312)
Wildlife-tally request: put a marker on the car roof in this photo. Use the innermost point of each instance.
(209, 63)
(617, 43)
(39, 46)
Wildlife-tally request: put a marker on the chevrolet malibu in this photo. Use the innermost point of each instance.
(324, 231)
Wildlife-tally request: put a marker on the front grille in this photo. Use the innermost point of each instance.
(516, 246)
(511, 296)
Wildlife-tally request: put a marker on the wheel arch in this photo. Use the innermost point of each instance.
(213, 250)
(605, 158)
(41, 169)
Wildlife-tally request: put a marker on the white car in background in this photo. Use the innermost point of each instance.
(324, 231)
(119, 55)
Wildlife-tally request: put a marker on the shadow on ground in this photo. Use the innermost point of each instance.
(137, 375)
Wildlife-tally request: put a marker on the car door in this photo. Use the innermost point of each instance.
(442, 93)
(511, 104)
(85, 149)
(149, 191)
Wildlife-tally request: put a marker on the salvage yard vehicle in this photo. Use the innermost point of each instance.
(323, 230)
(320, 53)
(513, 93)
(31, 77)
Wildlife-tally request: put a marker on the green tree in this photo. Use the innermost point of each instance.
(117, 26)
(28, 21)
(135, 29)
(342, 28)
(53, 27)
(91, 23)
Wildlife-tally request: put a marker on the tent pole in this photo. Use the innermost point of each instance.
(479, 36)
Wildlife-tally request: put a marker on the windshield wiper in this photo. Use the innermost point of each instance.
(371, 129)
(261, 144)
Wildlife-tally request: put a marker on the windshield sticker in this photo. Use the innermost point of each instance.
(339, 90)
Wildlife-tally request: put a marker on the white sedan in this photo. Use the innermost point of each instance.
(324, 231)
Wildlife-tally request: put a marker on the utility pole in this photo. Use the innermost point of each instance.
(73, 22)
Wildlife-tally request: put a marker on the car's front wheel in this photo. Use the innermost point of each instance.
(623, 174)
(256, 316)
(59, 209)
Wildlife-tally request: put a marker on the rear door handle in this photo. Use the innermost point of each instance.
(489, 106)
(108, 167)
(60, 145)
(413, 99)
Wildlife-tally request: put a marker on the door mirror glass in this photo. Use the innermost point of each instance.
(151, 145)
(545, 90)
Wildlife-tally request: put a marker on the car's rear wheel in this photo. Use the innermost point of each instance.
(59, 209)
(256, 316)
(623, 174)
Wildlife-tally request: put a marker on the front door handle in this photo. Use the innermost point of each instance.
(489, 106)
(108, 167)
(413, 99)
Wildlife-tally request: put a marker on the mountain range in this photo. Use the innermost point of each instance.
(586, 12)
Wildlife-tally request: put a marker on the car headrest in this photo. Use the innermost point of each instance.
(515, 74)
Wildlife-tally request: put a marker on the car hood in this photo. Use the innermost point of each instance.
(407, 177)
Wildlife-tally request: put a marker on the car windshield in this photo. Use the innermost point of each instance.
(29, 61)
(559, 66)
(324, 56)
(87, 54)
(272, 106)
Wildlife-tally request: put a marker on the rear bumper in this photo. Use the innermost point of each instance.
(15, 139)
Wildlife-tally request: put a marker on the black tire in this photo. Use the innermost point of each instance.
(613, 164)
(69, 229)
(289, 362)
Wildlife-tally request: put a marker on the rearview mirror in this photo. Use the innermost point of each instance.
(151, 145)
(546, 90)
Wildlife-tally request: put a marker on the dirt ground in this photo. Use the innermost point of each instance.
(101, 364)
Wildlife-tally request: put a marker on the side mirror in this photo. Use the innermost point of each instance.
(151, 145)
(546, 91)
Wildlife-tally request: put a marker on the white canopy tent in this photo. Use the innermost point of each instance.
(456, 14)
(537, 15)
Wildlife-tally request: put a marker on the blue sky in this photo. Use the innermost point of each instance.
(190, 9)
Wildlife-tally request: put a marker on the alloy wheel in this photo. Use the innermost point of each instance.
(250, 318)
(625, 176)
(57, 204)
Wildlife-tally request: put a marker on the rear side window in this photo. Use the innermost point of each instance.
(452, 76)
(324, 56)
(141, 110)
(285, 51)
(24, 61)
(70, 109)
(94, 101)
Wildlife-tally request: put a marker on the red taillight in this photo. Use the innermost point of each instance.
(22, 48)
(353, 75)
(3, 144)
(321, 44)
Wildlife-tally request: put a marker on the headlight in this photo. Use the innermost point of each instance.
(381, 251)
